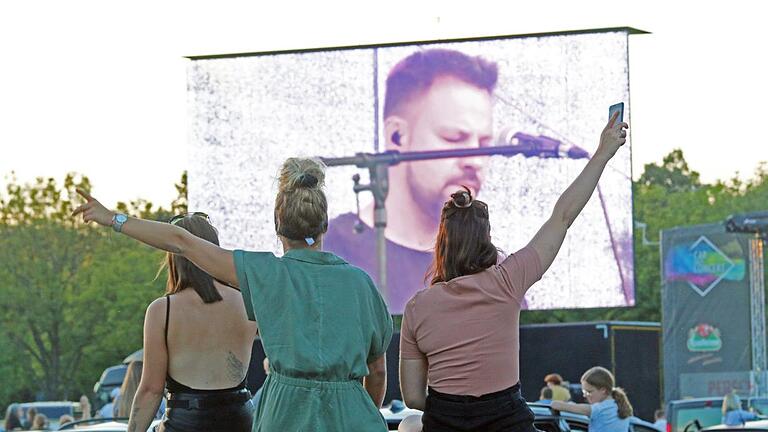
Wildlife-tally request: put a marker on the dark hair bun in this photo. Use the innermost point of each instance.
(462, 198)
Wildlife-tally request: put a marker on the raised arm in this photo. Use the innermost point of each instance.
(549, 238)
(214, 260)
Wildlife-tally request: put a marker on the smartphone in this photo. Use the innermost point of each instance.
(619, 107)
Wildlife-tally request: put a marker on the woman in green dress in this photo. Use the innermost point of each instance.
(323, 324)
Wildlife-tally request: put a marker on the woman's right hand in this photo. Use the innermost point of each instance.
(93, 210)
(614, 136)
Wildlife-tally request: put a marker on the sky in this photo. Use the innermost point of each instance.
(99, 88)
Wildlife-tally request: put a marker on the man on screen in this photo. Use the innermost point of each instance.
(435, 99)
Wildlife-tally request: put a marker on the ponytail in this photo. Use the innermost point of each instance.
(625, 408)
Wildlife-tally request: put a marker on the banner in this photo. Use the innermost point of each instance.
(706, 312)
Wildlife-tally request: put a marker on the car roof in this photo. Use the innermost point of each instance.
(46, 403)
(695, 400)
(104, 427)
(750, 425)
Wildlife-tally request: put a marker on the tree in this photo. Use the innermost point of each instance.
(67, 290)
(673, 174)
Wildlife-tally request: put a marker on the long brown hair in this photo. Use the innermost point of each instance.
(128, 389)
(463, 246)
(602, 379)
(182, 273)
(301, 208)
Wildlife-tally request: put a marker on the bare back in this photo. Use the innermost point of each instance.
(209, 345)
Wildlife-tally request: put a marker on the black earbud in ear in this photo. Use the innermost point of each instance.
(396, 137)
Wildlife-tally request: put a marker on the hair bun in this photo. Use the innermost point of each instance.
(462, 198)
(308, 180)
(301, 173)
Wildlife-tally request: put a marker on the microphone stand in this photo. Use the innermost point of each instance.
(378, 168)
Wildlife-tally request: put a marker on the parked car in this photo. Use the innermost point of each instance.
(755, 426)
(52, 409)
(706, 411)
(546, 419)
(110, 379)
(102, 425)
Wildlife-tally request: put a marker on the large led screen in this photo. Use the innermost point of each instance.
(248, 113)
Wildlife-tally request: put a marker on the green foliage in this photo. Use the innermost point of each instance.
(72, 296)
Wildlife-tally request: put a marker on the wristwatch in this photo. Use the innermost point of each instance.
(117, 221)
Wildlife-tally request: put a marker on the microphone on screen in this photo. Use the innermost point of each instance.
(540, 146)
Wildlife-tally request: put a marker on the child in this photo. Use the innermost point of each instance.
(609, 409)
(733, 415)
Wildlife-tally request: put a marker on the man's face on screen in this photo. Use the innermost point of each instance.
(452, 114)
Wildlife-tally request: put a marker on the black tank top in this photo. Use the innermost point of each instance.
(174, 386)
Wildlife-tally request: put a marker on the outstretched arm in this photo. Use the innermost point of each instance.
(584, 409)
(550, 236)
(214, 260)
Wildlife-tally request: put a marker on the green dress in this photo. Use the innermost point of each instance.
(321, 322)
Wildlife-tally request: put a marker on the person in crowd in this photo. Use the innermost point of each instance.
(39, 422)
(85, 406)
(12, 420)
(608, 409)
(323, 323)
(65, 418)
(559, 391)
(545, 396)
(660, 419)
(128, 391)
(29, 418)
(197, 344)
(733, 414)
(110, 408)
(461, 335)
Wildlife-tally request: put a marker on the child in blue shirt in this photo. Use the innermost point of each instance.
(608, 409)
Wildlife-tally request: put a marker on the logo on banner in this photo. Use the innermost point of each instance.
(702, 265)
(704, 338)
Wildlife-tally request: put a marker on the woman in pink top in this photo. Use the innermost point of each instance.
(461, 335)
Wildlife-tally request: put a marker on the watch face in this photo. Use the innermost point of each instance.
(121, 218)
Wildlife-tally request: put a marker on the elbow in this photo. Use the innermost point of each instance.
(414, 401)
(377, 373)
(178, 242)
(151, 389)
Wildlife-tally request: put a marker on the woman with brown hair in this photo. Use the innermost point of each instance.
(323, 323)
(608, 409)
(197, 344)
(128, 391)
(461, 335)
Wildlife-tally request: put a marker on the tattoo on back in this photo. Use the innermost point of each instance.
(234, 367)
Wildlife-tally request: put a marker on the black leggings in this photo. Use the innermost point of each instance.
(220, 412)
(504, 410)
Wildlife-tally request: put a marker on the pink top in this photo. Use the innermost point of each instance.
(468, 328)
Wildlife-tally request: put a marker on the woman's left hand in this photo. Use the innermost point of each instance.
(93, 210)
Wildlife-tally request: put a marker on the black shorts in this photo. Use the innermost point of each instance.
(218, 412)
(505, 410)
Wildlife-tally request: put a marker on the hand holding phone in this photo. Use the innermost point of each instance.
(619, 107)
(614, 135)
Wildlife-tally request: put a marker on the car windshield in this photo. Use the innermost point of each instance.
(707, 416)
(114, 376)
